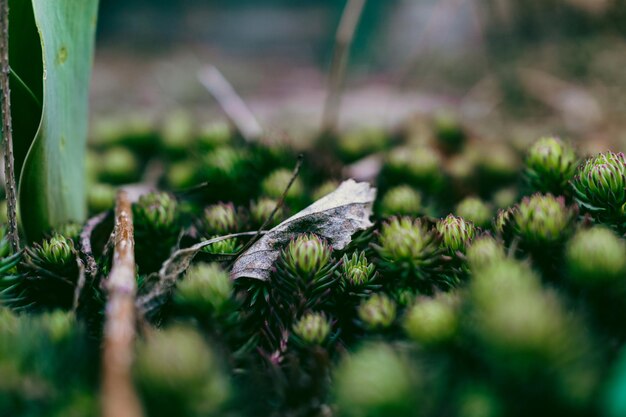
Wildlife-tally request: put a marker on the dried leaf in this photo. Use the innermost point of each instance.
(335, 218)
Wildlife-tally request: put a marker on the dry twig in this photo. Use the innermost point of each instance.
(7, 135)
(119, 396)
(232, 104)
(343, 40)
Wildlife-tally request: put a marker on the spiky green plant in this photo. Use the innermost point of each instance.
(432, 321)
(401, 201)
(475, 210)
(456, 233)
(596, 258)
(408, 248)
(312, 329)
(375, 381)
(550, 165)
(377, 312)
(219, 219)
(48, 274)
(261, 210)
(206, 291)
(543, 220)
(418, 166)
(484, 251)
(157, 226)
(276, 183)
(356, 271)
(600, 188)
(177, 373)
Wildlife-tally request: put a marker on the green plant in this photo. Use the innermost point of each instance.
(401, 201)
(51, 50)
(374, 381)
(475, 210)
(542, 220)
(432, 321)
(206, 289)
(456, 233)
(178, 373)
(312, 328)
(550, 165)
(600, 187)
(377, 312)
(596, 258)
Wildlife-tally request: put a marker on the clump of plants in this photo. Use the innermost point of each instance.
(247, 280)
(432, 305)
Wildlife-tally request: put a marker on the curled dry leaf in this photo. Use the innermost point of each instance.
(335, 218)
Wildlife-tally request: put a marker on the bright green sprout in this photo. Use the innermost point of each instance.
(356, 270)
(475, 210)
(307, 254)
(177, 132)
(57, 251)
(484, 251)
(205, 288)
(312, 328)
(220, 219)
(406, 240)
(401, 201)
(375, 381)
(543, 219)
(359, 144)
(378, 311)
(177, 374)
(101, 197)
(421, 166)
(261, 210)
(276, 183)
(456, 233)
(156, 211)
(448, 130)
(600, 187)
(550, 164)
(182, 174)
(224, 246)
(214, 134)
(224, 163)
(118, 165)
(432, 321)
(596, 257)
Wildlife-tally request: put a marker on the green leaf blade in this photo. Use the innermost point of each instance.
(52, 182)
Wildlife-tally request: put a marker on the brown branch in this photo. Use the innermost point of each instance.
(343, 40)
(231, 103)
(119, 398)
(7, 134)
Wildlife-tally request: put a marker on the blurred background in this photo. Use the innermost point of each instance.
(510, 69)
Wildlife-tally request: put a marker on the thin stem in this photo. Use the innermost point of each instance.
(119, 398)
(21, 82)
(343, 40)
(279, 204)
(232, 104)
(7, 131)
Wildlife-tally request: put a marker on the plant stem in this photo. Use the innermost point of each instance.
(119, 398)
(343, 40)
(232, 104)
(7, 134)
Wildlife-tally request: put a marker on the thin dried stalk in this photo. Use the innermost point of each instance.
(119, 398)
(232, 104)
(7, 134)
(343, 40)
